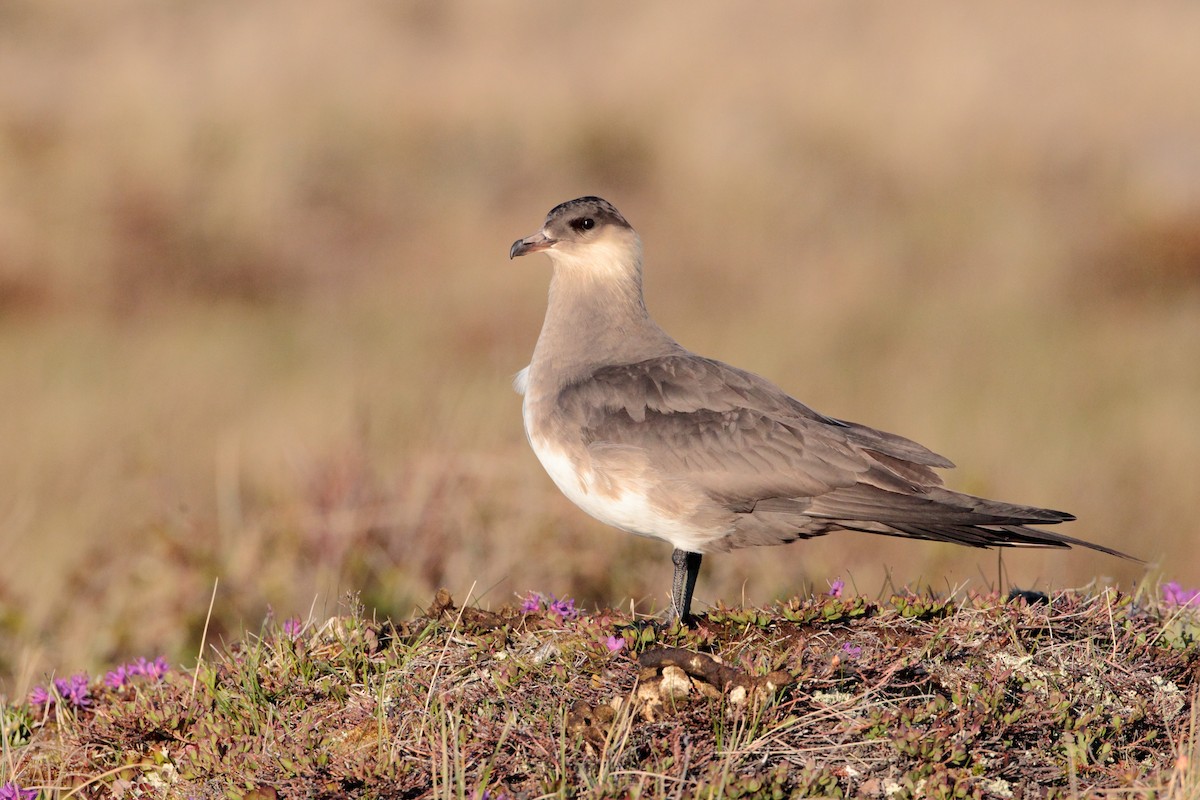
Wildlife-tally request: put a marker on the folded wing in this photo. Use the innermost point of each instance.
(784, 470)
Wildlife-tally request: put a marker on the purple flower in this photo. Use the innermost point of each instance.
(158, 668)
(835, 588)
(116, 678)
(614, 644)
(851, 651)
(10, 791)
(1175, 595)
(74, 690)
(140, 667)
(39, 696)
(565, 608)
(292, 628)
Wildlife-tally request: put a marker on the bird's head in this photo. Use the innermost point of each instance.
(586, 234)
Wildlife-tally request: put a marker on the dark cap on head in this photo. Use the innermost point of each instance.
(596, 208)
(577, 220)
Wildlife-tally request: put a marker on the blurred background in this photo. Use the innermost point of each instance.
(258, 324)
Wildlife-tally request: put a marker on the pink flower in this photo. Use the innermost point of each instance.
(614, 644)
(10, 791)
(292, 628)
(565, 608)
(157, 668)
(116, 678)
(1175, 595)
(139, 667)
(75, 690)
(835, 588)
(40, 697)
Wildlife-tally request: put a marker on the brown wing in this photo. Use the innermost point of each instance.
(785, 470)
(737, 435)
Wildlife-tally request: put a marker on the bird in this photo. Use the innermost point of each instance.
(650, 438)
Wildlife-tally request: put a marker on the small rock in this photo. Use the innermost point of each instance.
(674, 684)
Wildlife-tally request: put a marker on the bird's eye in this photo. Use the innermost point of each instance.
(583, 224)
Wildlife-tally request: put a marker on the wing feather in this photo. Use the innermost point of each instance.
(783, 470)
(736, 435)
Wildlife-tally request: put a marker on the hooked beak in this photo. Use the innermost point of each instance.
(531, 244)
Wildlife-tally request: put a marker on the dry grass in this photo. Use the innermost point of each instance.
(256, 322)
(917, 697)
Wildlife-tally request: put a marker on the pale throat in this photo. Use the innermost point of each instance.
(596, 314)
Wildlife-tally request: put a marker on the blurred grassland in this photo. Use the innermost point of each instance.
(257, 323)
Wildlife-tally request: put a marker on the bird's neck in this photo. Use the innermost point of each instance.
(594, 321)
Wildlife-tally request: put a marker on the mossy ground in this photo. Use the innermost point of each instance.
(915, 696)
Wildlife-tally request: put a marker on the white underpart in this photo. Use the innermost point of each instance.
(630, 510)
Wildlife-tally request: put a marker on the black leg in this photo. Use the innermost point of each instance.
(687, 567)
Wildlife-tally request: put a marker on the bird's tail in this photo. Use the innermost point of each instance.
(945, 516)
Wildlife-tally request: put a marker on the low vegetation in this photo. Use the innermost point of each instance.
(257, 320)
(1073, 695)
(257, 324)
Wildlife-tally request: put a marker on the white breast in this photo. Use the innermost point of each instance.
(629, 508)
